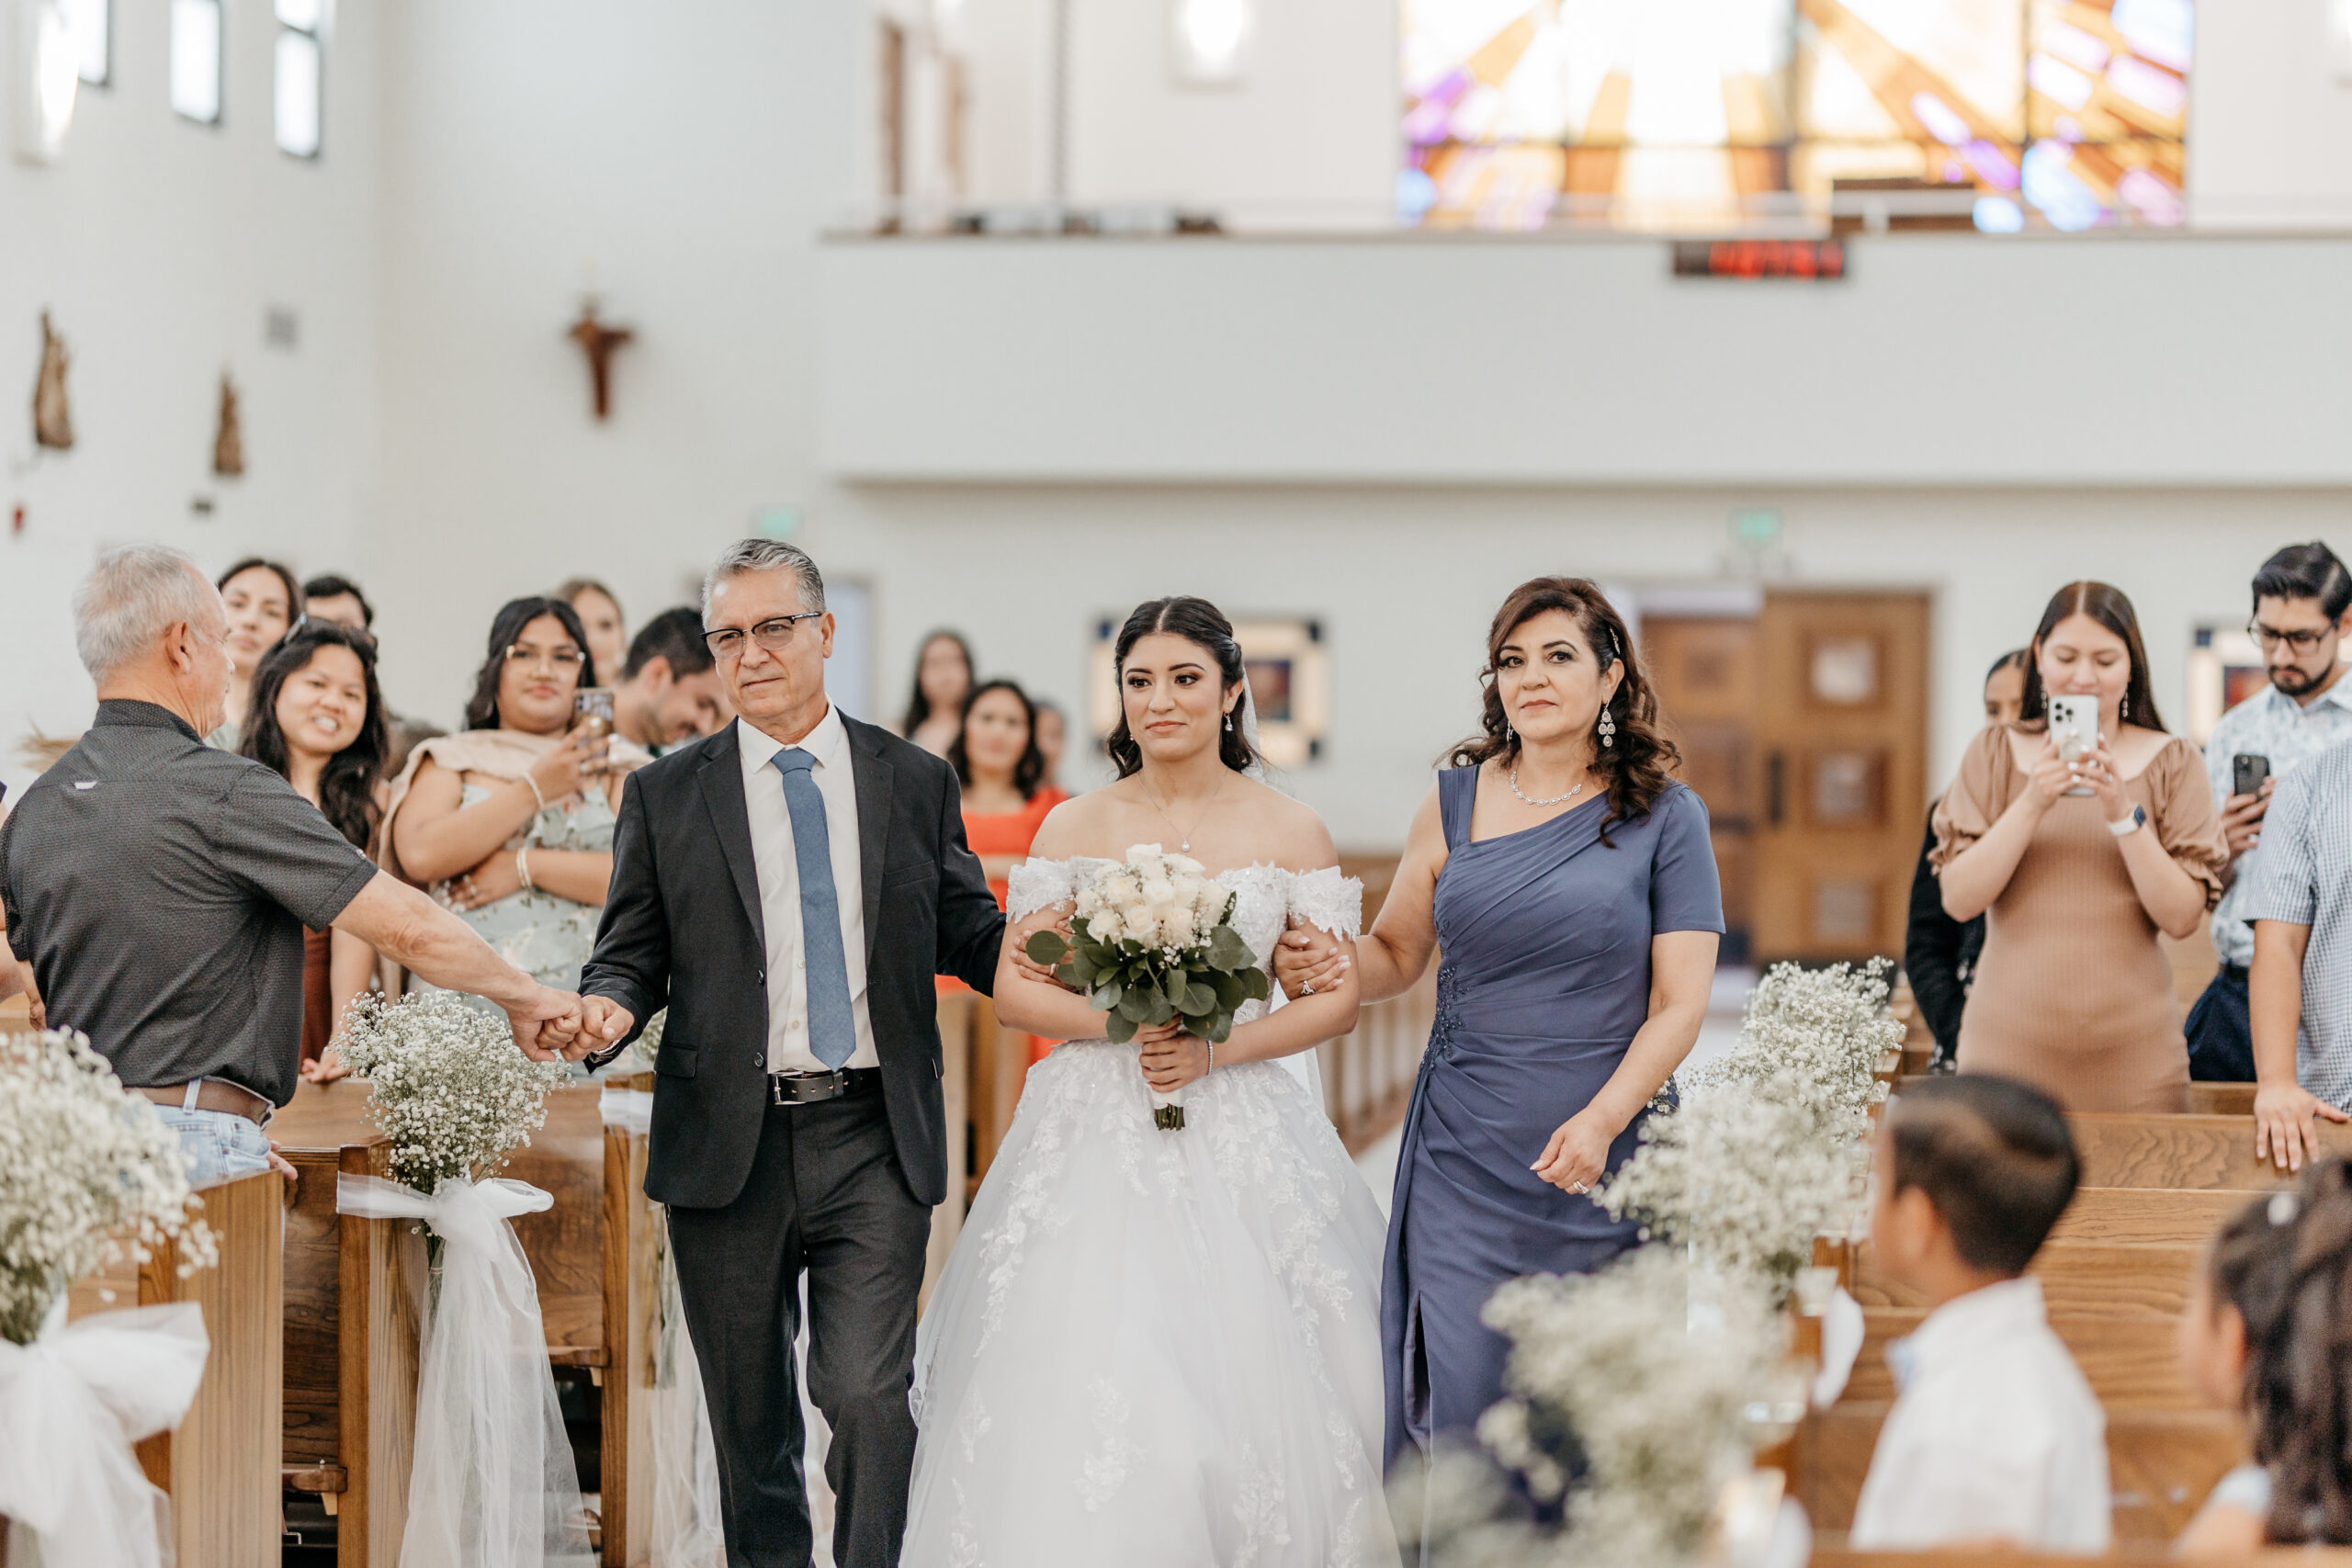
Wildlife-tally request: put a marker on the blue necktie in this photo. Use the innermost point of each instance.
(832, 1027)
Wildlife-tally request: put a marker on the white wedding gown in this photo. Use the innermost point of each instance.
(1160, 1349)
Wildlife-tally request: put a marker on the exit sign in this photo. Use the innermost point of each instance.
(1817, 259)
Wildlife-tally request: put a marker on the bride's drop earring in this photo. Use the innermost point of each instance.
(1608, 729)
(2123, 708)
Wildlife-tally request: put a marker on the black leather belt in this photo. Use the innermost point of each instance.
(809, 1088)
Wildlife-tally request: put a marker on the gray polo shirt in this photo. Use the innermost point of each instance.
(159, 890)
(2307, 880)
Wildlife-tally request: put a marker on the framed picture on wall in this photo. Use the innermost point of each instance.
(2225, 667)
(1289, 670)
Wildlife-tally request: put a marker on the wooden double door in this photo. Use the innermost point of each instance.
(1804, 727)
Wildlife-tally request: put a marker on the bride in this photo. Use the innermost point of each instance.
(1162, 1348)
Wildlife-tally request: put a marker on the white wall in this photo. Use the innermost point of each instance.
(156, 244)
(2270, 118)
(685, 169)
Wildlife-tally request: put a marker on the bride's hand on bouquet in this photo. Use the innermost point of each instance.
(1307, 960)
(1573, 1161)
(1172, 1058)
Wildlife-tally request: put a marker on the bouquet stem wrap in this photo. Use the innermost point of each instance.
(71, 1403)
(493, 1485)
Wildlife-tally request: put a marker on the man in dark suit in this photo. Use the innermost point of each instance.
(788, 887)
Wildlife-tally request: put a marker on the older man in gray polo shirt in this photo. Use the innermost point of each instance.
(158, 890)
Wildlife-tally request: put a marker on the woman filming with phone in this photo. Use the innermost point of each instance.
(510, 823)
(2081, 833)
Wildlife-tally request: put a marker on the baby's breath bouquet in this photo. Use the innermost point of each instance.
(1831, 1026)
(1148, 943)
(1637, 1393)
(451, 1090)
(88, 1174)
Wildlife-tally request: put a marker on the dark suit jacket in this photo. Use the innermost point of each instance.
(683, 927)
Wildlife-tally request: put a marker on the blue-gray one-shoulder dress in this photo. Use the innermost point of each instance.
(1545, 978)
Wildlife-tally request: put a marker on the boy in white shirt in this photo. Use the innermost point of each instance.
(1996, 1437)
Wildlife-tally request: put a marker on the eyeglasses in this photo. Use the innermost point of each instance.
(2300, 641)
(773, 633)
(561, 658)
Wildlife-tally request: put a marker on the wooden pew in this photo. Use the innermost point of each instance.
(219, 1468)
(2145, 1216)
(2200, 1153)
(355, 1303)
(2092, 1278)
(591, 1254)
(2133, 1362)
(2204, 1098)
(2161, 1464)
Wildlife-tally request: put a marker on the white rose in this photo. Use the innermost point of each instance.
(1184, 863)
(1176, 928)
(1105, 927)
(1158, 892)
(1141, 853)
(1090, 903)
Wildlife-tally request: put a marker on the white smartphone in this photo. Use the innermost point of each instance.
(2074, 729)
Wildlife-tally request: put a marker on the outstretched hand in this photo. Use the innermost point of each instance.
(2284, 1133)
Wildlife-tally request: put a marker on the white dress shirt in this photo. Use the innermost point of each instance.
(779, 871)
(1996, 1435)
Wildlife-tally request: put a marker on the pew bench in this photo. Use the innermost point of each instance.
(2198, 1153)
(592, 1258)
(2204, 1098)
(220, 1467)
(2131, 1363)
(2145, 1216)
(2091, 1279)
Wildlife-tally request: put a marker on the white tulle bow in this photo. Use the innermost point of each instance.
(493, 1485)
(71, 1403)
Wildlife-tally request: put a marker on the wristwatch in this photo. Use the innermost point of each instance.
(2129, 825)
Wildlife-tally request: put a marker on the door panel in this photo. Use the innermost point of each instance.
(1704, 671)
(1841, 728)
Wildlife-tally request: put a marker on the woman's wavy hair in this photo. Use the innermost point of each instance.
(1641, 761)
(347, 784)
(919, 706)
(2285, 1263)
(2110, 607)
(1203, 624)
(1032, 766)
(482, 710)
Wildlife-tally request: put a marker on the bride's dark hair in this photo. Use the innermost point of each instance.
(1203, 624)
(1638, 763)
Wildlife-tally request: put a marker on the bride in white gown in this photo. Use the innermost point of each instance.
(1161, 1347)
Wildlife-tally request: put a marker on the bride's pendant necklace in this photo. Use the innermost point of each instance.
(1574, 790)
(1186, 845)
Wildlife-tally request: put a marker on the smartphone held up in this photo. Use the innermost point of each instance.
(2074, 729)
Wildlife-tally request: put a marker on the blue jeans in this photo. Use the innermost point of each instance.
(2221, 1040)
(217, 1145)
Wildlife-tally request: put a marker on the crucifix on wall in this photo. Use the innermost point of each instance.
(598, 342)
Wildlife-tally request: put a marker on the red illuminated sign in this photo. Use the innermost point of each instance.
(1816, 259)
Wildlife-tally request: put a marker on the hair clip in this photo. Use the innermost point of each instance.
(2283, 1208)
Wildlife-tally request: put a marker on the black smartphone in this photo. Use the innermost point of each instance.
(2248, 770)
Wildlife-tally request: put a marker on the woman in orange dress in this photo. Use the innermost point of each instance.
(1005, 798)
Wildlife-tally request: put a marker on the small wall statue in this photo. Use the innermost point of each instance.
(229, 445)
(52, 420)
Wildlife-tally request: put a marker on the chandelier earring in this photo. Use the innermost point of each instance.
(1608, 728)
(2123, 708)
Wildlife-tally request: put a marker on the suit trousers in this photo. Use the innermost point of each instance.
(825, 1195)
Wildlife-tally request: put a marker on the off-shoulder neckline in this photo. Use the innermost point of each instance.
(1212, 875)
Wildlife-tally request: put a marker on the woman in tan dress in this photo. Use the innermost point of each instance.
(2073, 992)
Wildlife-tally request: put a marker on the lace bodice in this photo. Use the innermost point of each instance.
(1265, 897)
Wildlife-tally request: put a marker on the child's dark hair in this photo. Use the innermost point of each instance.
(2285, 1263)
(1996, 1158)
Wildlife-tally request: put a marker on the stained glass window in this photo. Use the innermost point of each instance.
(1707, 114)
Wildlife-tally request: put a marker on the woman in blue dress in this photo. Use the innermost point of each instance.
(1569, 883)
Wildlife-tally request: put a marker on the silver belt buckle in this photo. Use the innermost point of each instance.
(836, 1083)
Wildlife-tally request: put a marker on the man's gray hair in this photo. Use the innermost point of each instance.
(766, 555)
(134, 595)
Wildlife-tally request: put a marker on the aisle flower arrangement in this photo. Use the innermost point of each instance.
(493, 1484)
(1638, 1395)
(89, 1174)
(1768, 1145)
(451, 1092)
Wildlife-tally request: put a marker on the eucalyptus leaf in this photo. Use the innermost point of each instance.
(1253, 983)
(1230, 992)
(1199, 998)
(1136, 1006)
(1161, 1009)
(1119, 1030)
(1218, 1026)
(1046, 947)
(1228, 951)
(1105, 996)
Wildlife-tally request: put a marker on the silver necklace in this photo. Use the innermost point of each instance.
(1574, 790)
(1186, 843)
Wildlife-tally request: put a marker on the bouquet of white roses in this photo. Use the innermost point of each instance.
(88, 1173)
(451, 1090)
(1150, 943)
